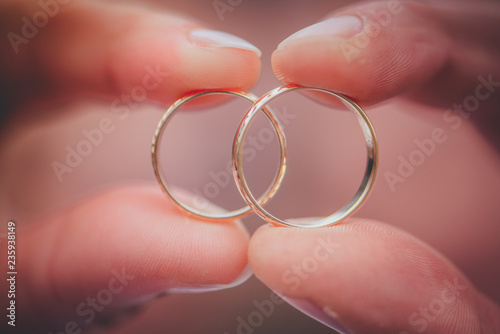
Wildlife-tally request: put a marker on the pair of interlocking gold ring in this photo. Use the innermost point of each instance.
(253, 204)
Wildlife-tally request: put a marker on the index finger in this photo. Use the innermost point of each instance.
(110, 49)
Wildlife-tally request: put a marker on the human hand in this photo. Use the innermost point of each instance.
(364, 276)
(120, 247)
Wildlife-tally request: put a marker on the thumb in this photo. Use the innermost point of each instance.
(115, 250)
(367, 277)
(374, 51)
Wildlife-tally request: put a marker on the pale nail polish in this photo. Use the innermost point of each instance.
(242, 278)
(323, 315)
(342, 26)
(213, 38)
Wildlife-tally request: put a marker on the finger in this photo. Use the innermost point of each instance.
(435, 51)
(110, 50)
(121, 248)
(367, 277)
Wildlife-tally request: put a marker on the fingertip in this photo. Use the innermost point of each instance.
(392, 52)
(135, 54)
(215, 59)
(167, 247)
(365, 275)
(135, 232)
(175, 60)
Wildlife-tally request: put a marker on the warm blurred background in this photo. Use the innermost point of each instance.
(450, 201)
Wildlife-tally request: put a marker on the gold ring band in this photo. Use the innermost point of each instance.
(363, 190)
(268, 194)
(253, 204)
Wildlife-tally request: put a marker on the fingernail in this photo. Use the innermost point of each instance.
(213, 38)
(322, 314)
(242, 278)
(342, 26)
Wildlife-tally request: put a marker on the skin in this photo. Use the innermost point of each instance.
(69, 248)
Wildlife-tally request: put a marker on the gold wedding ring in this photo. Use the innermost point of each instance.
(231, 215)
(346, 210)
(256, 205)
